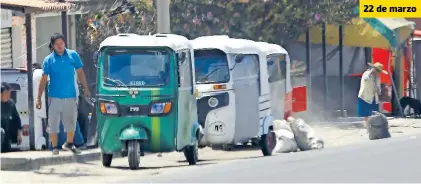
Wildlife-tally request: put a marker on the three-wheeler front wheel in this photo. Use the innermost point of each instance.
(106, 159)
(133, 154)
(192, 153)
(268, 143)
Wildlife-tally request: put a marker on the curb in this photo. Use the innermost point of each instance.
(356, 124)
(26, 164)
(351, 122)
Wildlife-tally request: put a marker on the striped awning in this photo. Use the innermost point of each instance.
(29, 6)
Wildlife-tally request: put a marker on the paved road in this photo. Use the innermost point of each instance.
(388, 160)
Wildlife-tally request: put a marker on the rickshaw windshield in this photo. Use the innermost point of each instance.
(136, 67)
(211, 66)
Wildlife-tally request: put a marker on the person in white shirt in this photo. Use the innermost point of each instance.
(368, 96)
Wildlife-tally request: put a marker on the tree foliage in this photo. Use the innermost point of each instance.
(276, 21)
(273, 21)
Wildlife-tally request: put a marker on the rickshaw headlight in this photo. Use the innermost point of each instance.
(161, 108)
(109, 108)
(213, 102)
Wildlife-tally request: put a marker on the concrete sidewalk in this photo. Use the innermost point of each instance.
(33, 160)
(354, 133)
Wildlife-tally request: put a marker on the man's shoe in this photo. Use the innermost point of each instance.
(70, 147)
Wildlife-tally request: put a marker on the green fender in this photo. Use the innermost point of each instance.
(133, 133)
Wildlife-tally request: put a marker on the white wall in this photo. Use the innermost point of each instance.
(19, 41)
(46, 26)
(6, 18)
(18, 52)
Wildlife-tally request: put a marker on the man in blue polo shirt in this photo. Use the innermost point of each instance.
(60, 66)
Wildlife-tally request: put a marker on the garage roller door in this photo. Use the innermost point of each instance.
(6, 48)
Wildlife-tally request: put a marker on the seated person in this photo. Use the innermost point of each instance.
(10, 121)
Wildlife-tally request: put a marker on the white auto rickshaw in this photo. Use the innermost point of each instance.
(278, 65)
(234, 104)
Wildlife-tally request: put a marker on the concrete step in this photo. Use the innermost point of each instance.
(32, 160)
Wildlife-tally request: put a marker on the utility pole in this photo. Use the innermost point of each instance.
(324, 65)
(163, 7)
(64, 24)
(341, 70)
(308, 72)
(28, 29)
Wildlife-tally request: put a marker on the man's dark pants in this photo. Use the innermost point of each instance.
(5, 143)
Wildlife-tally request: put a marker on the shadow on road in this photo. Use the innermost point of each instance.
(225, 159)
(236, 148)
(74, 173)
(159, 167)
(85, 173)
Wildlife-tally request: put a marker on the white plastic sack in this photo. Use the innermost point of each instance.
(285, 141)
(305, 135)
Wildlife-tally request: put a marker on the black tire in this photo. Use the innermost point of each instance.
(216, 147)
(106, 159)
(268, 143)
(192, 153)
(133, 154)
(227, 147)
(202, 145)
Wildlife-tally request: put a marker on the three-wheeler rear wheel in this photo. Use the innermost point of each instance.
(133, 154)
(106, 159)
(192, 153)
(268, 143)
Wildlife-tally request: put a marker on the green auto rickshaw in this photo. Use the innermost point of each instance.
(146, 100)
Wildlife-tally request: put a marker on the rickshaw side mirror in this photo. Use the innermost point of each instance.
(238, 59)
(181, 57)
